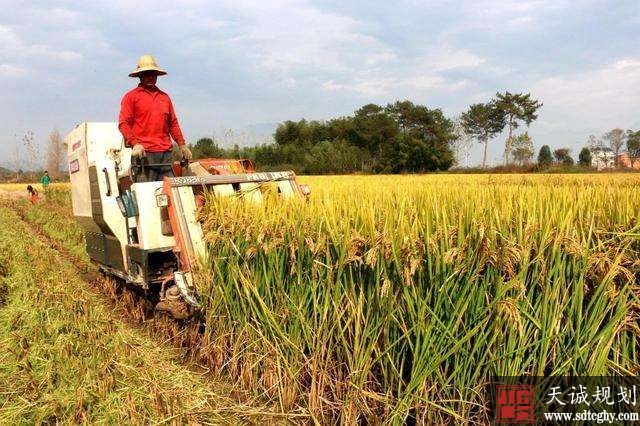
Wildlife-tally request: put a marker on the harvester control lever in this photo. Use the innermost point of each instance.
(138, 166)
(106, 177)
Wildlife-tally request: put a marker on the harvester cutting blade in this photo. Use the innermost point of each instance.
(182, 203)
(184, 282)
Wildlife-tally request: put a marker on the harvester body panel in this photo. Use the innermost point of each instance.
(149, 219)
(94, 190)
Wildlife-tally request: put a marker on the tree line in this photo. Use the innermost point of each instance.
(404, 137)
(606, 151)
(397, 138)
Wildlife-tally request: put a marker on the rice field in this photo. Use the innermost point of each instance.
(398, 298)
(392, 299)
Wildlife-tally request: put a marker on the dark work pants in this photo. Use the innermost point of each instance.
(149, 172)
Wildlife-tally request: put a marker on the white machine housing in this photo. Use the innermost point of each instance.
(99, 168)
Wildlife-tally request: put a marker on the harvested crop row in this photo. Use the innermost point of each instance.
(63, 357)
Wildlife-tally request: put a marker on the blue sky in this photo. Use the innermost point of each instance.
(240, 65)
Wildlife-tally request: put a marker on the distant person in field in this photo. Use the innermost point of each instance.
(45, 180)
(148, 122)
(33, 194)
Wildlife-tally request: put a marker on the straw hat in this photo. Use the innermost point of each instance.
(147, 63)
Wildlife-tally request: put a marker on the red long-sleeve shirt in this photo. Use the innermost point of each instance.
(147, 115)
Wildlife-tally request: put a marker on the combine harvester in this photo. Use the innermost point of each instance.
(147, 233)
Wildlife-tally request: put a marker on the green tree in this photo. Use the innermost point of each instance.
(409, 154)
(522, 148)
(333, 157)
(563, 156)
(517, 108)
(318, 131)
(633, 145)
(483, 122)
(206, 148)
(399, 137)
(584, 158)
(544, 156)
(425, 134)
(372, 128)
(292, 133)
(404, 114)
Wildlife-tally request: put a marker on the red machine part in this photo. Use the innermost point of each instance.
(220, 166)
(181, 235)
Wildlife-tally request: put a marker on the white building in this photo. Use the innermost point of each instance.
(602, 158)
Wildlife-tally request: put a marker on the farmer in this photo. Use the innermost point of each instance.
(33, 194)
(45, 180)
(148, 120)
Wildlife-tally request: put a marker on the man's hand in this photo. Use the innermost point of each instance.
(138, 151)
(186, 152)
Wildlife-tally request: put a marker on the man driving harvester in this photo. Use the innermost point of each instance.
(148, 122)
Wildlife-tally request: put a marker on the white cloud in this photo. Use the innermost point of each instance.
(7, 38)
(8, 70)
(373, 86)
(520, 23)
(16, 49)
(447, 58)
(509, 16)
(597, 100)
(420, 74)
(295, 39)
(528, 6)
(626, 64)
(53, 17)
(379, 58)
